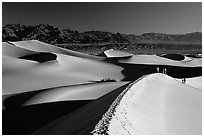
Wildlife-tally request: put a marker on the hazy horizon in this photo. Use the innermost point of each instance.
(126, 18)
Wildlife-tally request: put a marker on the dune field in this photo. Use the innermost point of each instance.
(48, 90)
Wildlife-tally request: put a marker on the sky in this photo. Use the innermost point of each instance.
(123, 17)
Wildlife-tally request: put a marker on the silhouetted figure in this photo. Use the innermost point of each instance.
(165, 70)
(157, 69)
(184, 80)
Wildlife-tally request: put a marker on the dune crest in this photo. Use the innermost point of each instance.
(156, 104)
(127, 58)
(36, 65)
(111, 53)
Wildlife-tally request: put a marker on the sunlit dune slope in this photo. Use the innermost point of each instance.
(14, 51)
(156, 60)
(65, 70)
(195, 82)
(82, 121)
(111, 53)
(156, 104)
(39, 46)
(65, 93)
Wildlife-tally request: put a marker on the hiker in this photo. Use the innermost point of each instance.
(165, 70)
(157, 69)
(184, 80)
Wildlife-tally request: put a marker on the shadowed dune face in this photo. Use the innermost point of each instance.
(27, 119)
(40, 57)
(64, 93)
(134, 71)
(177, 57)
(82, 121)
(156, 60)
(41, 114)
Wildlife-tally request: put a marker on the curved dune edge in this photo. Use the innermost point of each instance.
(65, 93)
(111, 53)
(65, 70)
(78, 92)
(151, 59)
(162, 107)
(14, 51)
(39, 46)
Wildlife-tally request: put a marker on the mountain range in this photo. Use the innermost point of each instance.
(53, 35)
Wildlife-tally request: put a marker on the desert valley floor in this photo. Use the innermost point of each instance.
(48, 90)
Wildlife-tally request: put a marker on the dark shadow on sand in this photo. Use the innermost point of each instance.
(135, 71)
(177, 57)
(25, 120)
(17, 100)
(40, 57)
(83, 120)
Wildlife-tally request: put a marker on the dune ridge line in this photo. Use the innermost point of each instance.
(101, 127)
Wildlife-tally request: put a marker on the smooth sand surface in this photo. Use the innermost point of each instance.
(22, 75)
(157, 104)
(195, 82)
(78, 92)
(14, 51)
(154, 60)
(39, 46)
(65, 93)
(116, 53)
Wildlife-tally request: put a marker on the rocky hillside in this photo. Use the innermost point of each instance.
(50, 34)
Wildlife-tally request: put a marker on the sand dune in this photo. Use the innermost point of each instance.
(154, 104)
(177, 57)
(156, 60)
(188, 59)
(13, 51)
(153, 59)
(65, 93)
(39, 77)
(78, 92)
(65, 70)
(116, 53)
(12, 64)
(83, 120)
(39, 46)
(195, 82)
(157, 104)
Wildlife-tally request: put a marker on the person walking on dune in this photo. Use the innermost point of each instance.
(184, 80)
(165, 71)
(157, 69)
